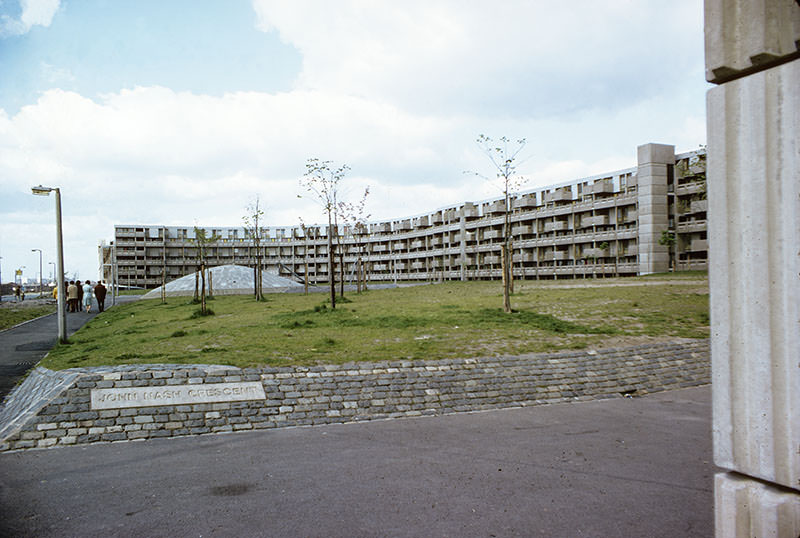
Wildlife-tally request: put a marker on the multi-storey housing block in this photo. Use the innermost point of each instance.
(607, 225)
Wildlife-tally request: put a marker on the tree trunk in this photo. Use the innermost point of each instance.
(506, 295)
(196, 285)
(210, 284)
(510, 265)
(341, 271)
(331, 274)
(203, 288)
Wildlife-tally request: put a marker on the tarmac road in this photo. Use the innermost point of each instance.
(23, 346)
(623, 467)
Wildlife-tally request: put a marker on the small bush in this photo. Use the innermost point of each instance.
(178, 334)
(199, 313)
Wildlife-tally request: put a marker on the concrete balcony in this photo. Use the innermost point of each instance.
(560, 195)
(491, 259)
(469, 236)
(602, 187)
(422, 222)
(595, 253)
(698, 245)
(399, 245)
(556, 226)
(693, 226)
(379, 248)
(522, 229)
(379, 267)
(690, 188)
(492, 234)
(527, 201)
(417, 266)
(403, 226)
(470, 211)
(436, 241)
(557, 255)
(437, 218)
(382, 228)
(699, 206)
(596, 220)
(497, 208)
(417, 244)
(524, 257)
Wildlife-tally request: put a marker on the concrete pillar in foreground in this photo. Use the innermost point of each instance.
(754, 270)
(654, 171)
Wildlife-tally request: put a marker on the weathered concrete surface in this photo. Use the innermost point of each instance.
(623, 467)
(753, 52)
(754, 216)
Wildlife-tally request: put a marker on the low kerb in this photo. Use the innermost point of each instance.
(176, 395)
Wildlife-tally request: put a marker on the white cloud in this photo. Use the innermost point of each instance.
(513, 58)
(33, 13)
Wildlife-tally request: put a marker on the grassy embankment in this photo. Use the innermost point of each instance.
(425, 322)
(16, 313)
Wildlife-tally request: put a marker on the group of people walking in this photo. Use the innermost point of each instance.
(79, 296)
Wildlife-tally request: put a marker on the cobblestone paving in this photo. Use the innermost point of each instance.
(53, 408)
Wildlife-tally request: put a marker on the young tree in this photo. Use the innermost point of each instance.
(202, 242)
(356, 219)
(669, 240)
(504, 161)
(255, 232)
(322, 180)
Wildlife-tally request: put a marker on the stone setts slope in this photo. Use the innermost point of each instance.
(88, 405)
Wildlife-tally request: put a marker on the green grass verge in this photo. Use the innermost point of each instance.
(455, 319)
(132, 292)
(10, 316)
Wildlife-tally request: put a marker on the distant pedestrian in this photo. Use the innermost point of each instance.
(79, 303)
(72, 296)
(87, 296)
(100, 295)
(17, 293)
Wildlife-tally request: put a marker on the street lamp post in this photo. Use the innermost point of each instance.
(40, 269)
(62, 319)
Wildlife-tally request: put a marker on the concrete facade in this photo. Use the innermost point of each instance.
(605, 225)
(754, 233)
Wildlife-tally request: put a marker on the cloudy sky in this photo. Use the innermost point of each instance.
(182, 112)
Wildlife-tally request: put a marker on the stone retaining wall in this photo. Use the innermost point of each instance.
(340, 393)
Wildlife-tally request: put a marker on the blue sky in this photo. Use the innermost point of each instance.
(182, 112)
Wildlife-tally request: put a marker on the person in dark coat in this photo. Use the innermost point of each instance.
(79, 302)
(100, 295)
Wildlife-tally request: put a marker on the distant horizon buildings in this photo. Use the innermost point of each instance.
(646, 219)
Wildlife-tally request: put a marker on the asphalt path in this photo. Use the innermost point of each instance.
(622, 467)
(23, 346)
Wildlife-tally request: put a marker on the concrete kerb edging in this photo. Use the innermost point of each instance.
(57, 408)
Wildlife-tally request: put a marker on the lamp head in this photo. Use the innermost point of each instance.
(41, 191)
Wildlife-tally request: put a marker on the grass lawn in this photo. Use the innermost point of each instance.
(454, 319)
(11, 315)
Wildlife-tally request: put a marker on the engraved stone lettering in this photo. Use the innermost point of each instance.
(178, 395)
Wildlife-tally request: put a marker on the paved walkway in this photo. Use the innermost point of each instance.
(622, 467)
(25, 345)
